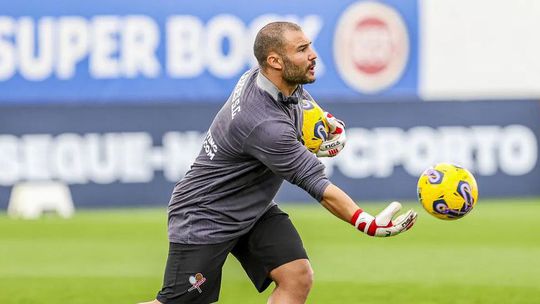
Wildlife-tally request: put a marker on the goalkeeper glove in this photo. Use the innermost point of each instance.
(336, 137)
(382, 224)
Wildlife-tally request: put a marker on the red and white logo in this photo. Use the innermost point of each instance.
(371, 46)
(196, 281)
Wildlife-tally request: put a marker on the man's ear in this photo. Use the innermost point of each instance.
(274, 61)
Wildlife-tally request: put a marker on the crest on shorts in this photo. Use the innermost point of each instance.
(196, 281)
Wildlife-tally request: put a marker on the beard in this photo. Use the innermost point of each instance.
(294, 74)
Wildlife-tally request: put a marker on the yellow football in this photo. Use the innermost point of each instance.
(314, 125)
(447, 191)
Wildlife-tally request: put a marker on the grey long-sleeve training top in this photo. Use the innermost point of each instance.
(252, 145)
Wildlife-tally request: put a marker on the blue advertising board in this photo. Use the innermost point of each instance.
(194, 51)
(132, 154)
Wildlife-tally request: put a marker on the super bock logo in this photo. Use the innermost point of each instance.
(371, 46)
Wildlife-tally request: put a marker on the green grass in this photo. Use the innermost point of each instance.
(118, 256)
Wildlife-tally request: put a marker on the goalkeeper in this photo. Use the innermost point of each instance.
(224, 204)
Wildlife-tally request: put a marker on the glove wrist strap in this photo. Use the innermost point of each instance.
(361, 219)
(355, 217)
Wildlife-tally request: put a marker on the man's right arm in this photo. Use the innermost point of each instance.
(342, 206)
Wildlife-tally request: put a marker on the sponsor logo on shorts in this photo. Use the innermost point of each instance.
(196, 281)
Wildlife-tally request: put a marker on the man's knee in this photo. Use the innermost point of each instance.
(296, 275)
(303, 279)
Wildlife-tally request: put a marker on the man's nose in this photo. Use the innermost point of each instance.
(313, 55)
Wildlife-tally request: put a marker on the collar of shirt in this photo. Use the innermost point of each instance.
(266, 85)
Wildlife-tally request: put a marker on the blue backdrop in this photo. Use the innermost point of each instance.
(182, 51)
(131, 154)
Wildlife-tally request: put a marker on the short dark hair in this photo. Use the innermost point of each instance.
(270, 38)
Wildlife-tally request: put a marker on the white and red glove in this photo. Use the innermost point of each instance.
(336, 137)
(382, 224)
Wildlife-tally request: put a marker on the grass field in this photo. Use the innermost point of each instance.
(118, 256)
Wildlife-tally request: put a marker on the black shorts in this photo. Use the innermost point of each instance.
(193, 272)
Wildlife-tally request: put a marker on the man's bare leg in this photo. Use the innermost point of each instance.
(293, 282)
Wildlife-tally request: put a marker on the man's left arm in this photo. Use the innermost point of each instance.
(276, 145)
